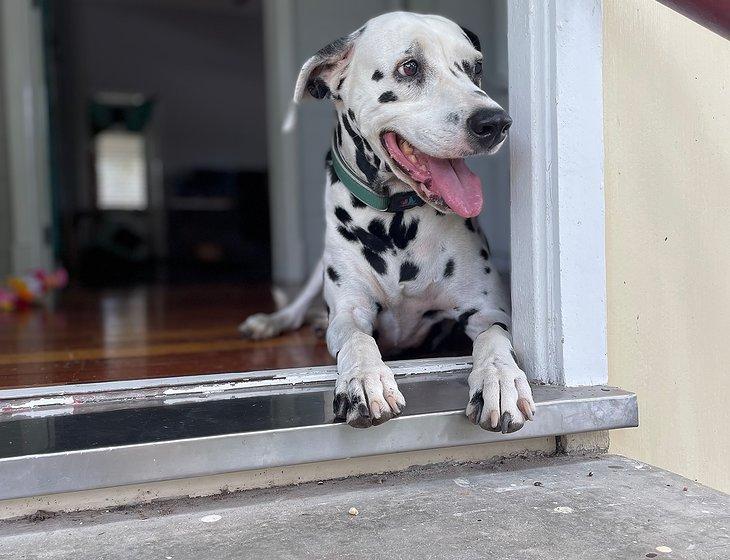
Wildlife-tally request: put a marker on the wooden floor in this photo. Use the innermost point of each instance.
(142, 333)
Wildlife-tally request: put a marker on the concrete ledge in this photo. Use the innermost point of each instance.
(225, 484)
(521, 509)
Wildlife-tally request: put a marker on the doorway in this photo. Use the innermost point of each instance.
(158, 140)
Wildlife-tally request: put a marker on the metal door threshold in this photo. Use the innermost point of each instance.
(223, 425)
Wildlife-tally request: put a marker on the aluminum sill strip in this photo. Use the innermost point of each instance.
(218, 424)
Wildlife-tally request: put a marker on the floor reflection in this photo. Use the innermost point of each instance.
(157, 331)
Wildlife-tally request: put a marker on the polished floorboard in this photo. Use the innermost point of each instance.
(158, 331)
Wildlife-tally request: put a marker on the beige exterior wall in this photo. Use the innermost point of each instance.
(667, 178)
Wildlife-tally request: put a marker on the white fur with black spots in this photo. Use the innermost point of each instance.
(406, 91)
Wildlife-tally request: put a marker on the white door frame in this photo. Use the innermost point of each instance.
(557, 207)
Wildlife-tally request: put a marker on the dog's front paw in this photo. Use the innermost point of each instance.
(367, 396)
(260, 326)
(500, 398)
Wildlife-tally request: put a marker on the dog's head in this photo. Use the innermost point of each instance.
(412, 84)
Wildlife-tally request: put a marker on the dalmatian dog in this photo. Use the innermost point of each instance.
(409, 106)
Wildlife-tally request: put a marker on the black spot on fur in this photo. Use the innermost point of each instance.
(332, 273)
(377, 228)
(439, 213)
(464, 317)
(372, 241)
(336, 47)
(351, 131)
(370, 171)
(317, 88)
(453, 118)
(467, 66)
(487, 270)
(327, 308)
(378, 307)
(469, 224)
(356, 202)
(342, 214)
(449, 269)
(387, 97)
(346, 233)
(339, 84)
(401, 234)
(387, 168)
(431, 313)
(483, 253)
(377, 75)
(338, 133)
(363, 163)
(472, 38)
(374, 260)
(459, 68)
(408, 271)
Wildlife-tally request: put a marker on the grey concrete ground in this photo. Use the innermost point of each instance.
(607, 507)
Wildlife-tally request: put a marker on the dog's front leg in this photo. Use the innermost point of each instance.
(500, 398)
(366, 393)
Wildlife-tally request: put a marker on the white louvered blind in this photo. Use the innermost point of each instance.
(121, 171)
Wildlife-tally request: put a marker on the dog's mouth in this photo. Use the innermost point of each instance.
(441, 182)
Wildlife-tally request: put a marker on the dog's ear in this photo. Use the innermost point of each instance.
(473, 38)
(321, 72)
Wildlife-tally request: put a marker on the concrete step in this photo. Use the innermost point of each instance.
(605, 507)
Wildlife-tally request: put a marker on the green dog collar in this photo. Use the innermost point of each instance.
(362, 191)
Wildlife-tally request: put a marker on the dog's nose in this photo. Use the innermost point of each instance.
(489, 125)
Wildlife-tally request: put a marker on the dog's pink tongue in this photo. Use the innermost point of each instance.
(453, 181)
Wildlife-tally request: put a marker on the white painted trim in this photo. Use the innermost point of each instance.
(26, 120)
(557, 211)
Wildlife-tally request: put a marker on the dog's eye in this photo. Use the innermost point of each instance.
(409, 68)
(478, 69)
